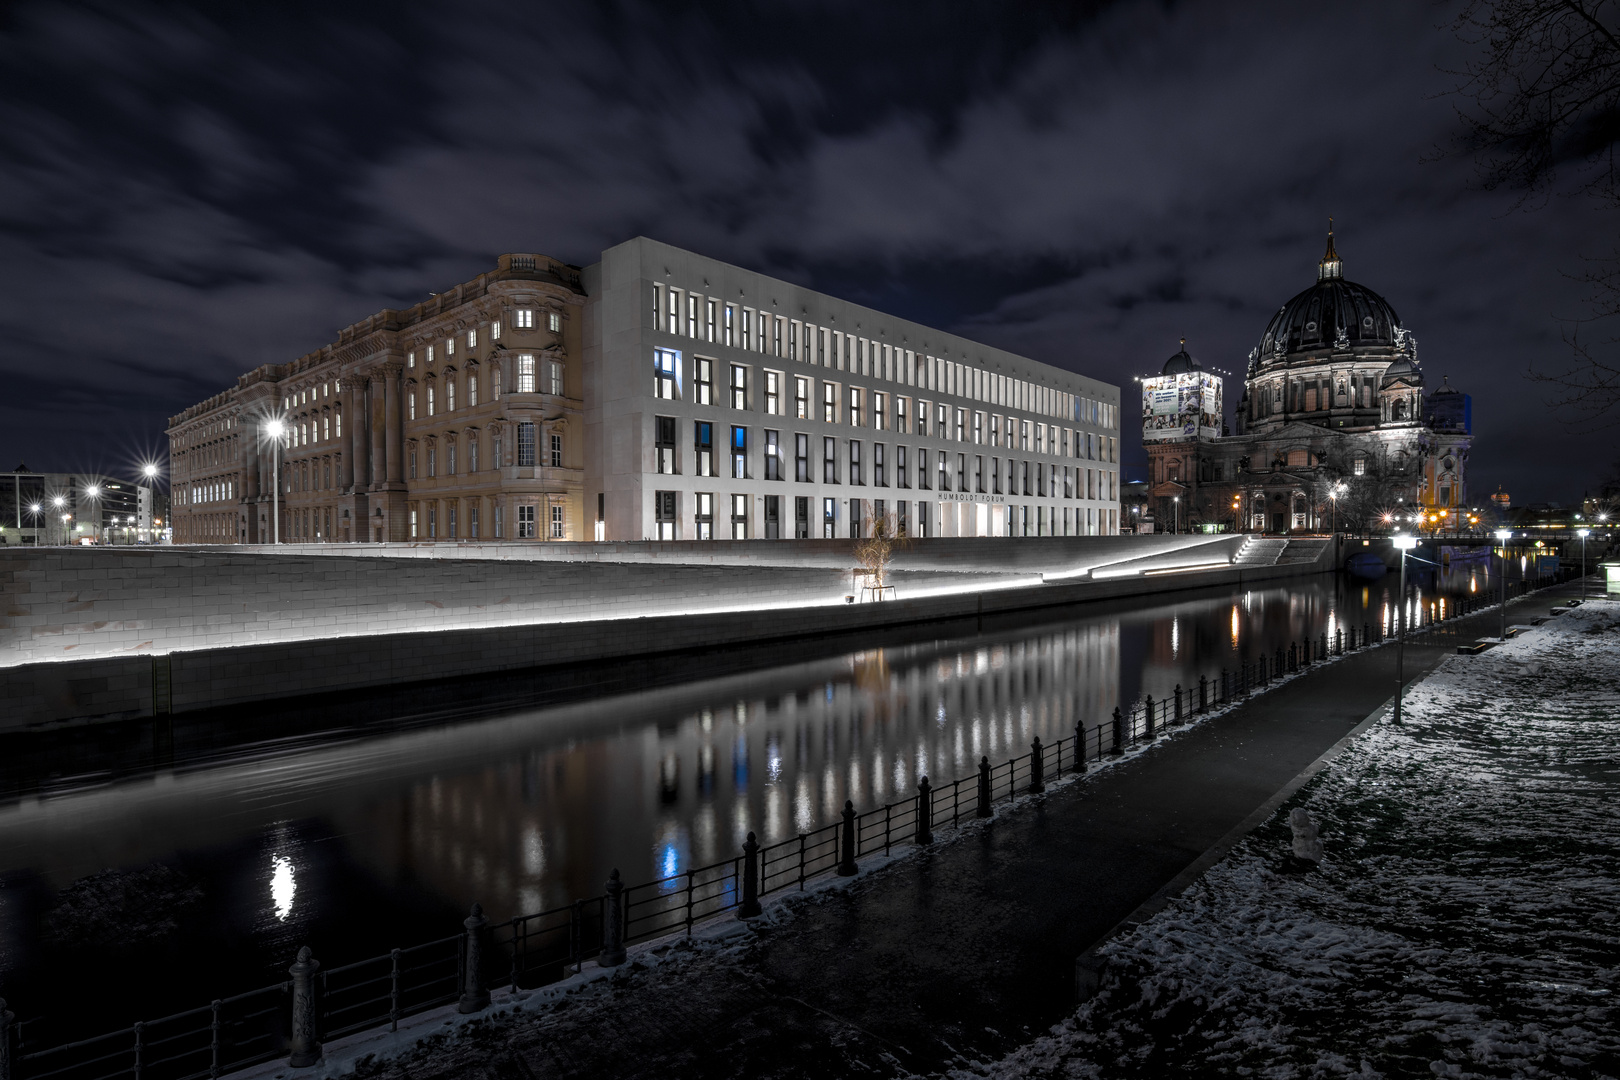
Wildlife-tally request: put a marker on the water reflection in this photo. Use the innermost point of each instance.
(377, 841)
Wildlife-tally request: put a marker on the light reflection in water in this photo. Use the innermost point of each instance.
(282, 886)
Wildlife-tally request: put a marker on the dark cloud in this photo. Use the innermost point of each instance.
(186, 193)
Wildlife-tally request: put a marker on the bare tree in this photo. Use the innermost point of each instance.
(875, 551)
(1543, 107)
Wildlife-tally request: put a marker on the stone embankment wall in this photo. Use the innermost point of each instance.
(172, 630)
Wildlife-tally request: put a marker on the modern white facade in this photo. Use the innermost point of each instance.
(721, 403)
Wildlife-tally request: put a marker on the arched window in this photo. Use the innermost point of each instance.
(430, 397)
(450, 390)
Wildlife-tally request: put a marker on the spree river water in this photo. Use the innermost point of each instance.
(169, 878)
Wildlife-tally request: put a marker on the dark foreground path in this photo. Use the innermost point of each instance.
(963, 951)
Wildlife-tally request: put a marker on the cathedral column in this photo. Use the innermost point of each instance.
(377, 421)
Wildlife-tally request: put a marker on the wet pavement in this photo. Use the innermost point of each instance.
(962, 951)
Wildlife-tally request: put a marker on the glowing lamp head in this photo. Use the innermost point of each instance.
(1583, 533)
(1503, 535)
(149, 470)
(59, 502)
(93, 491)
(275, 427)
(33, 508)
(1404, 543)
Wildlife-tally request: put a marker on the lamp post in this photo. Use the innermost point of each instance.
(1404, 543)
(1583, 534)
(1237, 513)
(60, 503)
(1503, 536)
(93, 493)
(275, 429)
(1333, 499)
(1176, 500)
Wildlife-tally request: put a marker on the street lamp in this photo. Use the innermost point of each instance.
(275, 429)
(1176, 499)
(1333, 498)
(1237, 513)
(1504, 535)
(59, 502)
(1583, 534)
(1404, 543)
(93, 493)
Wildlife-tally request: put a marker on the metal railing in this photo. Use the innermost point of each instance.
(533, 950)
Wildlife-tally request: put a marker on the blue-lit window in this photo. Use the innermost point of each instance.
(667, 374)
(739, 453)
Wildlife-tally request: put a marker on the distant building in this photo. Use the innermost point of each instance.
(61, 508)
(1334, 426)
(656, 394)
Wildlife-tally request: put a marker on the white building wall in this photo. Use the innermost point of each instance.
(892, 357)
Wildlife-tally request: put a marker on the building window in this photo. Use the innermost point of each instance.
(739, 517)
(666, 374)
(878, 477)
(410, 407)
(525, 522)
(450, 458)
(554, 322)
(900, 423)
(673, 311)
(554, 378)
(944, 471)
(961, 472)
(412, 460)
(450, 518)
(829, 460)
(495, 452)
(801, 458)
(855, 403)
(708, 334)
(525, 373)
(430, 397)
(922, 466)
(433, 521)
(500, 521)
(556, 451)
(524, 321)
(472, 451)
(922, 418)
(900, 479)
(664, 444)
(801, 397)
(776, 337)
(410, 360)
(413, 524)
(557, 532)
(1359, 466)
(855, 475)
(854, 519)
(664, 515)
(472, 388)
(495, 382)
(829, 518)
(495, 335)
(880, 407)
(450, 390)
(525, 447)
(730, 326)
(703, 383)
(432, 460)
(829, 403)
(703, 447)
(703, 515)
(472, 520)
(773, 393)
(739, 386)
(773, 451)
(739, 453)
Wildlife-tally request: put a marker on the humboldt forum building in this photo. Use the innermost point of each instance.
(654, 395)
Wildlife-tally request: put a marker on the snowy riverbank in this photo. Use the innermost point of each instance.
(1462, 923)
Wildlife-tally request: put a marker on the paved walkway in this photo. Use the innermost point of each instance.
(966, 950)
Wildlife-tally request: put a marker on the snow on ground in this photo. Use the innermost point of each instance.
(1464, 922)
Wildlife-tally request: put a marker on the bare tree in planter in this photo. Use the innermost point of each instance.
(875, 551)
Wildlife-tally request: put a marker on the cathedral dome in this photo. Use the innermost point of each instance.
(1181, 363)
(1403, 368)
(1333, 313)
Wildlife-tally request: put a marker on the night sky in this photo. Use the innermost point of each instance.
(187, 193)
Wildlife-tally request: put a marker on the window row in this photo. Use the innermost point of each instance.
(710, 319)
(465, 519)
(523, 318)
(452, 389)
(693, 515)
(828, 460)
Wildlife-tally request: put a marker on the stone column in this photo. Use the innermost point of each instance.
(376, 423)
(392, 425)
(354, 469)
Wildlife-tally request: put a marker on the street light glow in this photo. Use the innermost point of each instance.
(1404, 542)
(275, 427)
(149, 470)
(93, 491)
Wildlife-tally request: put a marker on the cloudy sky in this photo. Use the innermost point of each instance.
(186, 193)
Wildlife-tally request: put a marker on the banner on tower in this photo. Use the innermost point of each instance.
(1184, 406)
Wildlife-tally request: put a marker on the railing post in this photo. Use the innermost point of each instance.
(306, 1048)
(1037, 767)
(1150, 717)
(1321, 648)
(846, 857)
(1119, 733)
(1364, 635)
(1079, 748)
(393, 990)
(612, 954)
(749, 908)
(1203, 693)
(1178, 703)
(1338, 640)
(1293, 657)
(473, 995)
(984, 787)
(6, 1017)
(925, 812)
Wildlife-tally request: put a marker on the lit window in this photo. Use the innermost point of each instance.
(450, 347)
(666, 374)
(430, 399)
(525, 373)
(691, 315)
(495, 335)
(526, 448)
(554, 322)
(472, 339)
(773, 393)
(739, 517)
(556, 523)
(554, 378)
(472, 388)
(524, 321)
(525, 522)
(664, 444)
(556, 451)
(410, 359)
(829, 403)
(450, 392)
(739, 453)
(739, 386)
(430, 354)
(703, 383)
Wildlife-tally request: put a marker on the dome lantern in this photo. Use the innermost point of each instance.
(1331, 265)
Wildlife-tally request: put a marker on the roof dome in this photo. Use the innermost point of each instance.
(1402, 367)
(1333, 313)
(1181, 363)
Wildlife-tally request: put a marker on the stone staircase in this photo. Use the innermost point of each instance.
(1302, 551)
(1260, 551)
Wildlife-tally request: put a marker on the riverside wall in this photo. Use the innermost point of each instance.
(102, 635)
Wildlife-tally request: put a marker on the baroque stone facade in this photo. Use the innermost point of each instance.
(457, 418)
(1335, 427)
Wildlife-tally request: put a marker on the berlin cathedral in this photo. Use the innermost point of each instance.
(1335, 428)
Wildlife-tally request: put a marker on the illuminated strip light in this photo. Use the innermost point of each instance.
(1187, 569)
